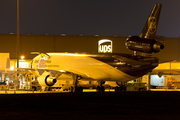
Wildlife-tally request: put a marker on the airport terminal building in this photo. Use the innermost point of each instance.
(30, 44)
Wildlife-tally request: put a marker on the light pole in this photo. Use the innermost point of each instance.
(17, 42)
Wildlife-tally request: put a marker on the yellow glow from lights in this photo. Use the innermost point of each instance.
(12, 68)
(22, 57)
(62, 71)
(120, 63)
(24, 65)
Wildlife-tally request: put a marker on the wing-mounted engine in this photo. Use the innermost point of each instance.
(144, 45)
(46, 79)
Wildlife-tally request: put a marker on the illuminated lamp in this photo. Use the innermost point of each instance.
(63, 34)
(22, 57)
(11, 33)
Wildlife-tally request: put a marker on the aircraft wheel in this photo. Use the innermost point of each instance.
(118, 89)
(123, 88)
(100, 89)
(46, 89)
(35, 89)
(141, 89)
(81, 89)
(71, 89)
(49, 89)
(78, 89)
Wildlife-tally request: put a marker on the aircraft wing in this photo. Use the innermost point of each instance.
(173, 60)
(166, 71)
(161, 72)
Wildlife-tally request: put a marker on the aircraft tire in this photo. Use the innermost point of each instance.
(100, 89)
(71, 89)
(35, 89)
(79, 89)
(141, 89)
(46, 89)
(118, 89)
(76, 89)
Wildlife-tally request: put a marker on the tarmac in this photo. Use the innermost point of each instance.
(15, 91)
(146, 105)
(19, 91)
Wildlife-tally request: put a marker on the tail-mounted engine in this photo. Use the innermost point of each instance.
(144, 45)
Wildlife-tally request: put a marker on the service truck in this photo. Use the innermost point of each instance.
(136, 87)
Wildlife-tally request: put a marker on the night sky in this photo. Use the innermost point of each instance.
(88, 17)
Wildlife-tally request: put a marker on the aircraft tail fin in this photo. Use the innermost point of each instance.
(152, 22)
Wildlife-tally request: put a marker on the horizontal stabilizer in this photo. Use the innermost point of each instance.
(130, 61)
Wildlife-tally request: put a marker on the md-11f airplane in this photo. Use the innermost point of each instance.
(101, 67)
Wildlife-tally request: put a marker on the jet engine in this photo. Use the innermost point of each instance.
(144, 45)
(46, 79)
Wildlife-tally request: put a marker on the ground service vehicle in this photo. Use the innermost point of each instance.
(136, 87)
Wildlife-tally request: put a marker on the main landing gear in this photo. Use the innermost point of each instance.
(121, 87)
(100, 88)
(75, 87)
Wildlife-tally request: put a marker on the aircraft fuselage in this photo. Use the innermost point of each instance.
(96, 66)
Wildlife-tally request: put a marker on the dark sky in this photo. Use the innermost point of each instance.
(88, 17)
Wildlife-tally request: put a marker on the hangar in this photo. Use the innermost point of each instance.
(89, 44)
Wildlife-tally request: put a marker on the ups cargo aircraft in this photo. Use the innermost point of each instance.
(101, 67)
